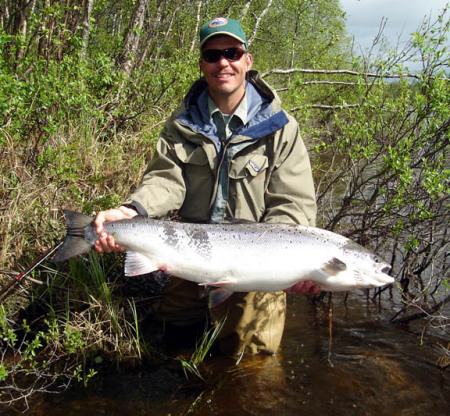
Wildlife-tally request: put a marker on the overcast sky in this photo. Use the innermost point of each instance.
(403, 18)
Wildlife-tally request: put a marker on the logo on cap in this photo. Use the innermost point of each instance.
(218, 22)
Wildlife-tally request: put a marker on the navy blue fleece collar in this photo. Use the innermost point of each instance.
(262, 120)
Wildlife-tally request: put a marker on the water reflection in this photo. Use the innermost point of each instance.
(376, 369)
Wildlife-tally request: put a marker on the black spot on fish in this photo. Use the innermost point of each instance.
(199, 239)
(170, 235)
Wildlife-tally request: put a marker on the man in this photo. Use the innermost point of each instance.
(229, 150)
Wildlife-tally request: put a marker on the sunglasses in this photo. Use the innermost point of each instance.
(230, 54)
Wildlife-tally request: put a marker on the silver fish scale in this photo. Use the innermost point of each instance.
(211, 242)
(200, 236)
(274, 234)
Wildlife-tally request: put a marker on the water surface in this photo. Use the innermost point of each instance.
(368, 367)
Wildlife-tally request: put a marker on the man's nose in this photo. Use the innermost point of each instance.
(223, 62)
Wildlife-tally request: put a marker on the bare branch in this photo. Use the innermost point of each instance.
(419, 315)
(335, 72)
(328, 83)
(325, 107)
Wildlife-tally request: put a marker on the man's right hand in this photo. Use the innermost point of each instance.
(106, 242)
(306, 287)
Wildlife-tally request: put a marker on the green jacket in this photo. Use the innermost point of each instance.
(261, 174)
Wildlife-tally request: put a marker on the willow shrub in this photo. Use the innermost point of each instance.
(383, 179)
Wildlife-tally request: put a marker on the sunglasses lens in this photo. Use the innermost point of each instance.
(211, 55)
(230, 54)
(233, 54)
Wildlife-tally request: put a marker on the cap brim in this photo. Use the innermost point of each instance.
(222, 33)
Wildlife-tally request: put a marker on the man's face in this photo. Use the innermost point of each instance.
(226, 79)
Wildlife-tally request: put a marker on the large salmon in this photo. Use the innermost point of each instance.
(234, 257)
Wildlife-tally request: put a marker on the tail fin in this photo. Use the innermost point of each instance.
(74, 242)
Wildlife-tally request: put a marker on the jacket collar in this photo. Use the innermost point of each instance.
(265, 115)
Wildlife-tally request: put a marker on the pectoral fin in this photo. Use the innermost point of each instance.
(220, 282)
(217, 296)
(137, 264)
(334, 266)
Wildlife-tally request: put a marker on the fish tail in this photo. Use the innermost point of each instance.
(75, 242)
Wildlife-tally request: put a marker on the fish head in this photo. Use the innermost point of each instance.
(369, 269)
(372, 271)
(356, 268)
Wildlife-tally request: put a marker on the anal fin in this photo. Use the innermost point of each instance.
(221, 282)
(217, 296)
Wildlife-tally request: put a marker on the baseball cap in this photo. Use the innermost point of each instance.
(222, 26)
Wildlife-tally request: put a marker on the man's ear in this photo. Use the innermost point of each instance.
(249, 61)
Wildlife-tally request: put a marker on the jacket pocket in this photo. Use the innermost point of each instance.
(248, 178)
(198, 181)
(248, 165)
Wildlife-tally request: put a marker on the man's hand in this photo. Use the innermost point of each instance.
(306, 287)
(106, 242)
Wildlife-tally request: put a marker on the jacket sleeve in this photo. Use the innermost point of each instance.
(162, 188)
(290, 196)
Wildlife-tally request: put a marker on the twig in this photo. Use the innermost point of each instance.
(330, 330)
(335, 72)
(418, 315)
(325, 107)
(328, 83)
(25, 273)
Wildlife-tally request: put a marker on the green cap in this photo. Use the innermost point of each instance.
(222, 26)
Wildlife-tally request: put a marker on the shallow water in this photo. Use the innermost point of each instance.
(372, 368)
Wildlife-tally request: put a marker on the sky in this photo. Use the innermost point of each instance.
(403, 18)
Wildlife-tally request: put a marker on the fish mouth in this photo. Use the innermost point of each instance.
(386, 269)
(384, 278)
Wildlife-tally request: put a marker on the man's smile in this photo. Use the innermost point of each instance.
(224, 75)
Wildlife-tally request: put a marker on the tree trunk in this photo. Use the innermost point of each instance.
(258, 22)
(245, 10)
(132, 36)
(150, 31)
(86, 26)
(42, 31)
(20, 28)
(197, 25)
